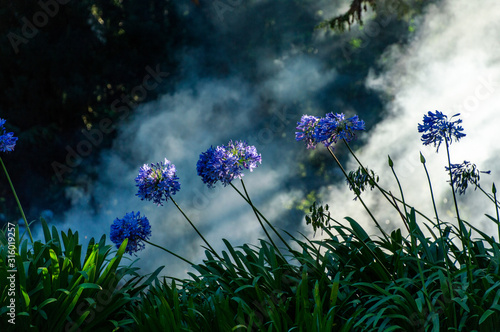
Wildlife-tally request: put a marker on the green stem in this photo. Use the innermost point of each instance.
(170, 252)
(357, 194)
(435, 209)
(463, 231)
(493, 199)
(371, 178)
(196, 229)
(432, 196)
(257, 214)
(494, 189)
(444, 248)
(17, 200)
(451, 183)
(413, 248)
(405, 219)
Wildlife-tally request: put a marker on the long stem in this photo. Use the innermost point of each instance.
(170, 252)
(17, 200)
(411, 229)
(359, 197)
(494, 189)
(493, 199)
(451, 182)
(257, 214)
(196, 229)
(369, 176)
(435, 207)
(444, 248)
(432, 196)
(465, 234)
(405, 219)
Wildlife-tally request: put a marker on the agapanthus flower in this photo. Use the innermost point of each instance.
(360, 180)
(333, 127)
(157, 182)
(307, 126)
(225, 163)
(464, 174)
(246, 155)
(7, 140)
(132, 227)
(437, 128)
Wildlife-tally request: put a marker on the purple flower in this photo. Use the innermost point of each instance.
(333, 127)
(157, 182)
(7, 140)
(132, 227)
(463, 174)
(307, 125)
(225, 163)
(247, 156)
(436, 129)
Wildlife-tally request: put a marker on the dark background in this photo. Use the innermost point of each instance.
(64, 76)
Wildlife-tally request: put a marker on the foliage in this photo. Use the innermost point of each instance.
(400, 8)
(435, 277)
(335, 284)
(350, 281)
(56, 290)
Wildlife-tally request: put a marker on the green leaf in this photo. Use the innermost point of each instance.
(47, 301)
(46, 231)
(358, 230)
(89, 285)
(462, 302)
(55, 270)
(485, 316)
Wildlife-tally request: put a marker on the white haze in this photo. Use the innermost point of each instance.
(179, 127)
(451, 65)
(454, 48)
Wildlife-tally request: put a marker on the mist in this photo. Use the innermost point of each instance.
(224, 95)
(451, 65)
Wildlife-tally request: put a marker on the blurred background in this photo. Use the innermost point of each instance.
(94, 89)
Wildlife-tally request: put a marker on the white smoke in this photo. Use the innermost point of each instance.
(179, 127)
(451, 65)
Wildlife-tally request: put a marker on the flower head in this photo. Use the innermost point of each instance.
(7, 140)
(307, 126)
(361, 179)
(246, 155)
(157, 182)
(437, 128)
(225, 163)
(333, 127)
(463, 174)
(132, 227)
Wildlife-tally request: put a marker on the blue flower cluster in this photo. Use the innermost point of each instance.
(7, 140)
(225, 163)
(327, 130)
(436, 128)
(307, 125)
(132, 227)
(157, 182)
(463, 174)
